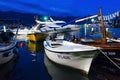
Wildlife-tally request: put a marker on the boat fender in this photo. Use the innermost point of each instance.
(22, 44)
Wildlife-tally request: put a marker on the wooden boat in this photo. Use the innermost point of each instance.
(77, 56)
(7, 45)
(111, 49)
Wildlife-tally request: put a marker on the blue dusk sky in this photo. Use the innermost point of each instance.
(61, 7)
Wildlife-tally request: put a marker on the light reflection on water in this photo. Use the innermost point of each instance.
(38, 67)
(32, 64)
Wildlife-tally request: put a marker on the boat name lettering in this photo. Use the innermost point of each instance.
(63, 57)
(110, 53)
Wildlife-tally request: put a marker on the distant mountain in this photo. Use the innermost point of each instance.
(28, 18)
(25, 18)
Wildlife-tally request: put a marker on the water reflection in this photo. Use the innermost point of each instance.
(59, 72)
(44, 69)
(30, 67)
(7, 69)
(35, 46)
(104, 69)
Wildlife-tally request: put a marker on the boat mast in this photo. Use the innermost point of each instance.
(37, 24)
(103, 28)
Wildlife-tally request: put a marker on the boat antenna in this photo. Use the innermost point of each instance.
(17, 30)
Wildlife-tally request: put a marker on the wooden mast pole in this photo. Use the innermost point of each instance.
(103, 28)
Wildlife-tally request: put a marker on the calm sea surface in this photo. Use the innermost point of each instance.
(31, 63)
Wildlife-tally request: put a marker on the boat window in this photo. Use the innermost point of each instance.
(60, 24)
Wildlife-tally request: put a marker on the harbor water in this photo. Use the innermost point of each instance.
(31, 63)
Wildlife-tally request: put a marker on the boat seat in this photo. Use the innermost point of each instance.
(53, 44)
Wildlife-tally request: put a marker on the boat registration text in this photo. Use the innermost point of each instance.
(63, 57)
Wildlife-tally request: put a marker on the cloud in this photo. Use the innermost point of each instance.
(60, 7)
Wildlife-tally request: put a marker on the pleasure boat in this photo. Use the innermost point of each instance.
(22, 31)
(8, 44)
(70, 54)
(38, 32)
(57, 25)
(110, 47)
(36, 36)
(35, 46)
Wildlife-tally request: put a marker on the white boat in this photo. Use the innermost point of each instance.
(57, 25)
(22, 31)
(70, 54)
(36, 36)
(7, 45)
(39, 31)
(115, 40)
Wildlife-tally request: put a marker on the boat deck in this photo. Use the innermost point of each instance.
(66, 46)
(107, 46)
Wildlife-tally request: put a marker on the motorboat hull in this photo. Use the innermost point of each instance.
(21, 31)
(111, 49)
(80, 60)
(35, 46)
(7, 53)
(7, 58)
(36, 36)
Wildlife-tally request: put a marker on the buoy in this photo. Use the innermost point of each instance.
(22, 44)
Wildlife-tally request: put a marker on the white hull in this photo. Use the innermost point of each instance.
(114, 40)
(70, 60)
(77, 59)
(6, 59)
(8, 44)
(21, 31)
(7, 53)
